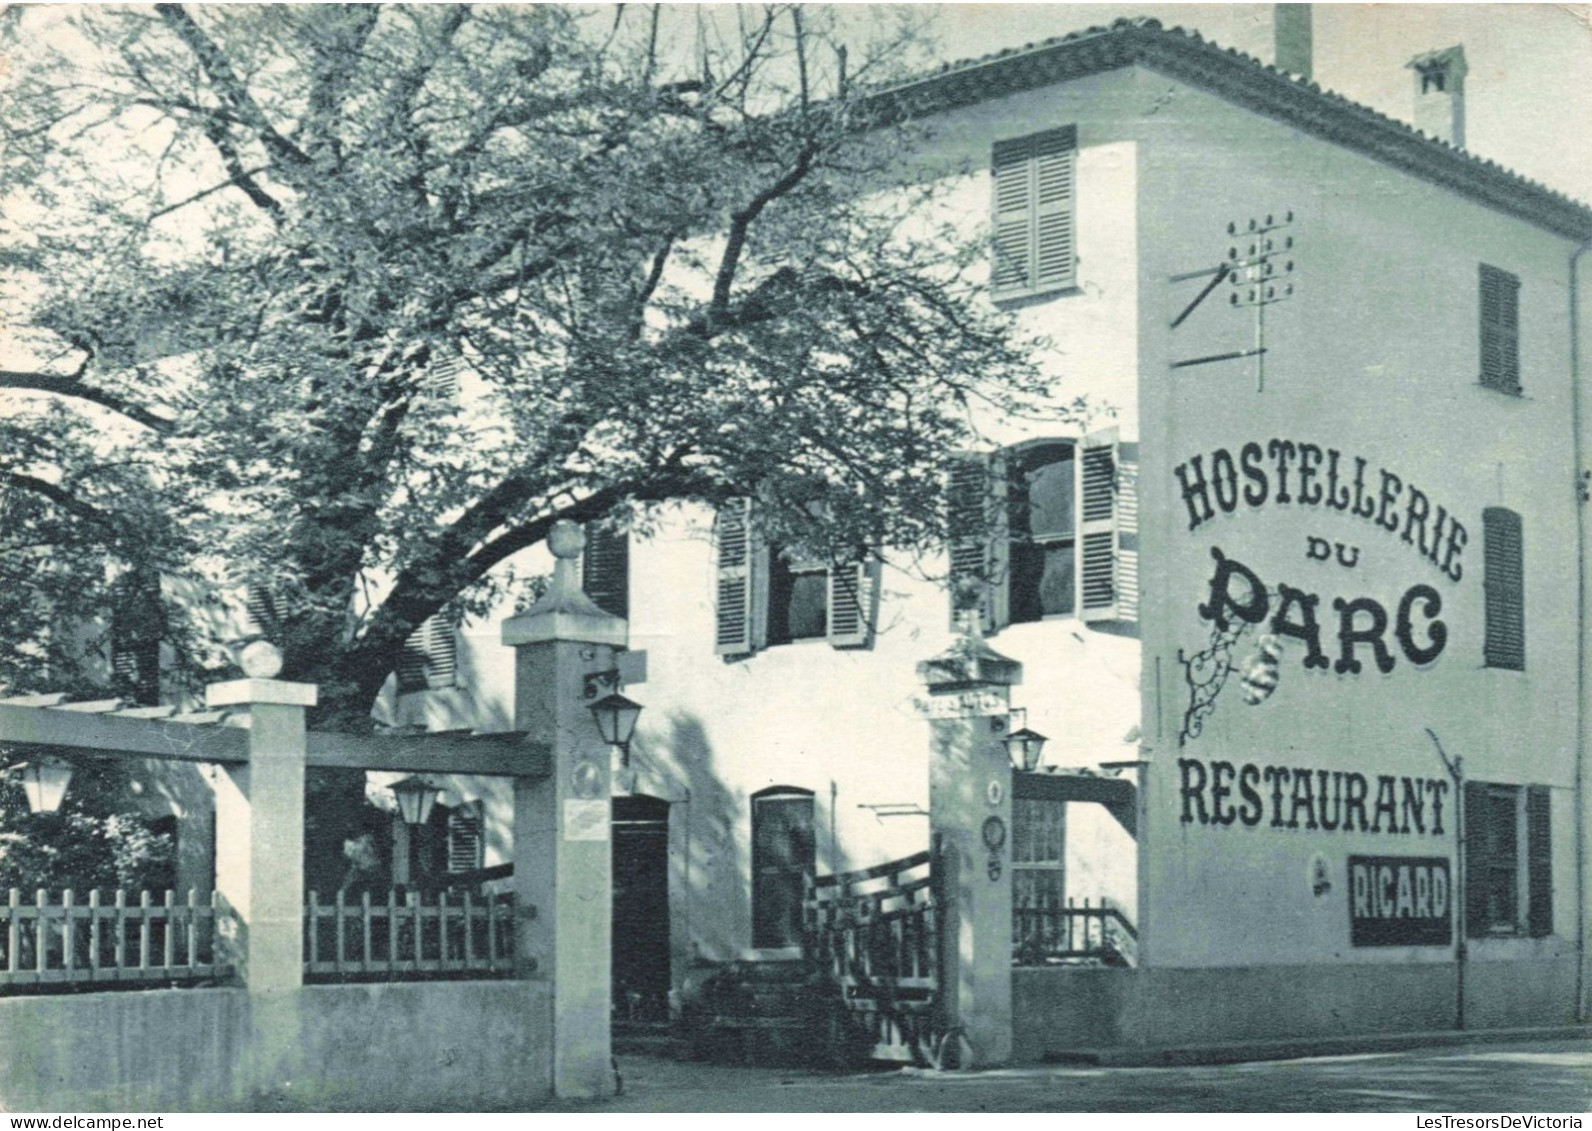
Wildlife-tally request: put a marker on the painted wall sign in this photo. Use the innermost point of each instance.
(1237, 592)
(1297, 797)
(964, 705)
(1400, 901)
(1286, 472)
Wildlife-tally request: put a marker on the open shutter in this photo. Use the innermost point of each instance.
(976, 524)
(605, 569)
(1127, 531)
(1097, 527)
(138, 621)
(261, 610)
(1477, 840)
(853, 603)
(1035, 181)
(429, 660)
(464, 838)
(1539, 863)
(1500, 330)
(734, 630)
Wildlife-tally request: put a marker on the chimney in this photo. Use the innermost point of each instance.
(1291, 38)
(1440, 94)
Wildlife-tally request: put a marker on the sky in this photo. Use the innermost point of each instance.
(1528, 97)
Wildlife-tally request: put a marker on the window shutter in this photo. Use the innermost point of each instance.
(733, 632)
(442, 377)
(429, 659)
(1503, 589)
(977, 528)
(1500, 330)
(1539, 863)
(1128, 531)
(1477, 838)
(853, 603)
(464, 838)
(1097, 528)
(1034, 212)
(138, 622)
(261, 610)
(605, 569)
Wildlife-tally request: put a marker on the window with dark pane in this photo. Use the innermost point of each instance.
(1043, 524)
(784, 855)
(798, 597)
(1503, 589)
(1500, 330)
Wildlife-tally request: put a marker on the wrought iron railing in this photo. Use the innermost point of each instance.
(1051, 934)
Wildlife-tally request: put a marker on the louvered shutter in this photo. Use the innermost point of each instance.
(1097, 527)
(1035, 244)
(442, 378)
(605, 570)
(977, 528)
(1500, 330)
(429, 660)
(1478, 837)
(1539, 863)
(138, 622)
(1127, 531)
(1503, 586)
(464, 838)
(734, 628)
(261, 610)
(853, 604)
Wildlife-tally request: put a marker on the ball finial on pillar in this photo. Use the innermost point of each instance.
(566, 539)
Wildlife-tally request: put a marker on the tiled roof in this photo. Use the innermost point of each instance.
(1186, 55)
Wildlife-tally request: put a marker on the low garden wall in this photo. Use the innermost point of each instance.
(415, 1046)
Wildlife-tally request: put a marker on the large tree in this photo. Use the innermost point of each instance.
(260, 246)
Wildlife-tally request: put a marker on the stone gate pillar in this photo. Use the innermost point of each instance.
(970, 815)
(260, 858)
(562, 851)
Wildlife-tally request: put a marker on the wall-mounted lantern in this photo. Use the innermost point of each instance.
(1024, 746)
(616, 720)
(44, 780)
(416, 795)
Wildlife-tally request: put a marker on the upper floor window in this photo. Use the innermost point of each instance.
(1047, 529)
(1508, 856)
(429, 659)
(768, 594)
(605, 569)
(1503, 589)
(1500, 330)
(1035, 194)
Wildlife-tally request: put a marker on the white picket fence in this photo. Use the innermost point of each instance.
(402, 936)
(140, 941)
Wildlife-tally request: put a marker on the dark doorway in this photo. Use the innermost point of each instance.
(783, 856)
(641, 908)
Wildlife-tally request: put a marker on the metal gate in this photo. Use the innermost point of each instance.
(875, 935)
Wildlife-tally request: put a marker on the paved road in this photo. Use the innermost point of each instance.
(1542, 1076)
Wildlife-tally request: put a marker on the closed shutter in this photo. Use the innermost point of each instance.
(464, 838)
(138, 621)
(429, 659)
(1477, 873)
(1539, 863)
(734, 628)
(442, 378)
(605, 569)
(1097, 536)
(1504, 589)
(853, 603)
(976, 524)
(1035, 244)
(1500, 330)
